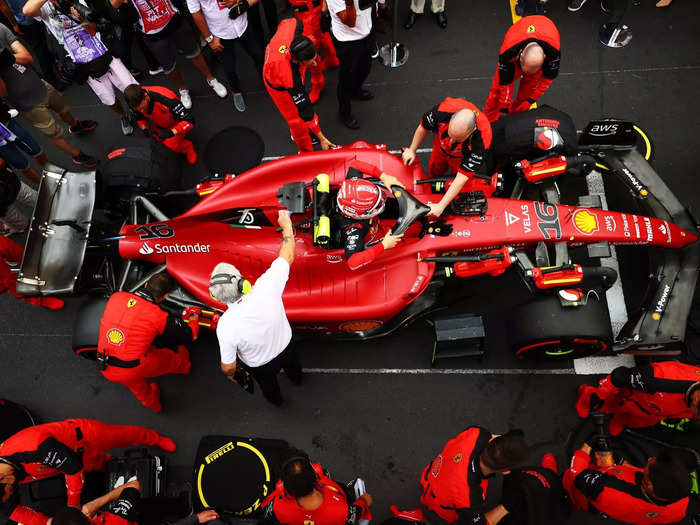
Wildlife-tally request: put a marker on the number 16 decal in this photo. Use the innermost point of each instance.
(548, 223)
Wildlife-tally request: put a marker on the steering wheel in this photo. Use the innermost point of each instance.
(410, 210)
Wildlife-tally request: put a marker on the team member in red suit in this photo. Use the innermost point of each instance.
(455, 482)
(306, 494)
(531, 53)
(309, 13)
(360, 202)
(644, 395)
(159, 111)
(462, 140)
(286, 57)
(136, 336)
(10, 251)
(658, 493)
(69, 447)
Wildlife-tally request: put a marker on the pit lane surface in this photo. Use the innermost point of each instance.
(383, 426)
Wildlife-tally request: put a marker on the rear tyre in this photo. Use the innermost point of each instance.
(542, 329)
(86, 330)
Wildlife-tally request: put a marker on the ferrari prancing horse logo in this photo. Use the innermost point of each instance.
(131, 303)
(531, 28)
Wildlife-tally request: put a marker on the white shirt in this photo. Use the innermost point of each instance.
(255, 328)
(363, 22)
(217, 19)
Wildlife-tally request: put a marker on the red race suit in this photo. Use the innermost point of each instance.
(357, 233)
(541, 30)
(10, 251)
(123, 511)
(308, 12)
(454, 487)
(135, 336)
(643, 395)
(336, 509)
(284, 82)
(166, 112)
(466, 158)
(69, 447)
(616, 493)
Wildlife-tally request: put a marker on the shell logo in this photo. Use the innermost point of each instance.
(585, 222)
(115, 336)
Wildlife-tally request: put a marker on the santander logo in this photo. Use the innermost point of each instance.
(145, 249)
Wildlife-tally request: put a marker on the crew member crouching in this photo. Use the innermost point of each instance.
(136, 336)
(160, 113)
(307, 494)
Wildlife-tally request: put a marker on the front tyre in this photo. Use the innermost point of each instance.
(543, 330)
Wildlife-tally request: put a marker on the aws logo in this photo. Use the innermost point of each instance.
(115, 336)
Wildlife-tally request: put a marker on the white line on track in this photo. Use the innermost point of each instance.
(467, 79)
(442, 371)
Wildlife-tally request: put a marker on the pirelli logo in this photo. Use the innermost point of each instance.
(228, 447)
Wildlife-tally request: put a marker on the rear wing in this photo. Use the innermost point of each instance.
(659, 325)
(58, 234)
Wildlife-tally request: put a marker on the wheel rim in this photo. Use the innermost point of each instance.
(562, 348)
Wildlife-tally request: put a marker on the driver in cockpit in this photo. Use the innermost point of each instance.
(359, 203)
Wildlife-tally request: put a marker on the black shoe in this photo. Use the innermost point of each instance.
(350, 121)
(441, 19)
(411, 20)
(85, 160)
(82, 126)
(363, 94)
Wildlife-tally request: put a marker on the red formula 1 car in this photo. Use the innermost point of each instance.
(480, 235)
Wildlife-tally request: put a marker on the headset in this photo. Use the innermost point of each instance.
(301, 47)
(243, 285)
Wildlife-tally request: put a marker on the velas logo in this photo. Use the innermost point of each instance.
(174, 248)
(585, 222)
(115, 336)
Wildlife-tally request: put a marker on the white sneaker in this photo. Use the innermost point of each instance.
(119, 482)
(218, 88)
(185, 98)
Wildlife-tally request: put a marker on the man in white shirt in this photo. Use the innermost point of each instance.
(254, 329)
(84, 47)
(222, 24)
(351, 29)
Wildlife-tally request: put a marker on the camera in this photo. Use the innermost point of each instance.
(238, 9)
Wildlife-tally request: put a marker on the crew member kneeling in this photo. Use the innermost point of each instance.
(658, 493)
(287, 56)
(70, 447)
(254, 328)
(461, 143)
(307, 494)
(136, 336)
(160, 113)
(359, 202)
(644, 395)
(455, 482)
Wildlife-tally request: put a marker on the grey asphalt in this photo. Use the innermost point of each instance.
(383, 427)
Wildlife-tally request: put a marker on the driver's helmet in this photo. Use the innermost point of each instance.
(360, 199)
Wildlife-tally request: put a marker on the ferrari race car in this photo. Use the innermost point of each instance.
(69, 251)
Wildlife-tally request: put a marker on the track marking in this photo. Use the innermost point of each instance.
(462, 79)
(441, 371)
